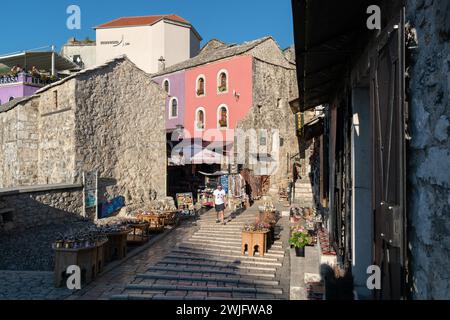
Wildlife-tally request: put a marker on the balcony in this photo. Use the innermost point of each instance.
(27, 79)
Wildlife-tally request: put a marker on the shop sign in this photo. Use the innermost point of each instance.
(224, 183)
(107, 208)
(298, 123)
(90, 183)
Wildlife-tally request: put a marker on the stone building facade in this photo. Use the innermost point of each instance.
(260, 81)
(429, 150)
(109, 118)
(274, 85)
(386, 139)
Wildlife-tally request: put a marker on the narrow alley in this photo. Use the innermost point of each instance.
(200, 260)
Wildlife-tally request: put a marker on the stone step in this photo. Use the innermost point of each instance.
(219, 265)
(200, 254)
(209, 245)
(235, 240)
(243, 273)
(223, 239)
(168, 287)
(218, 227)
(228, 250)
(223, 261)
(235, 280)
(224, 232)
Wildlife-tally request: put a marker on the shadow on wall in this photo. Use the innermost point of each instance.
(29, 212)
(338, 285)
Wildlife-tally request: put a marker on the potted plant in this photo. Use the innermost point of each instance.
(299, 240)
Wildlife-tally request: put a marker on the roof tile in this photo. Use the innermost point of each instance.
(141, 21)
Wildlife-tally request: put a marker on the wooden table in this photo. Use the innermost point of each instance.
(90, 260)
(156, 222)
(141, 238)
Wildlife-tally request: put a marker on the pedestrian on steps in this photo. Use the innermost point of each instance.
(220, 200)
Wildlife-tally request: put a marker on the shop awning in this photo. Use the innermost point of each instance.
(328, 33)
(214, 174)
(41, 60)
(312, 129)
(207, 156)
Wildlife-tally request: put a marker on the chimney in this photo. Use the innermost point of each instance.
(162, 64)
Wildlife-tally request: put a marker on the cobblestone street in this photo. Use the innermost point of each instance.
(199, 260)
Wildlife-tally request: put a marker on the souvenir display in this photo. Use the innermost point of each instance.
(206, 197)
(79, 240)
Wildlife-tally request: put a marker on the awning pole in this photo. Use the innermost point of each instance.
(53, 61)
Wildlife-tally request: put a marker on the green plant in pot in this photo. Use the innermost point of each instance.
(299, 240)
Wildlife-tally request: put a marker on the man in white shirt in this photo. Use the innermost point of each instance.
(220, 199)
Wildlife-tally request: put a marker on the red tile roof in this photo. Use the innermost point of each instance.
(141, 21)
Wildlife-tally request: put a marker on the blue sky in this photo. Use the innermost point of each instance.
(40, 23)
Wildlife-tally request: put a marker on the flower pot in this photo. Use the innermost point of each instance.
(300, 252)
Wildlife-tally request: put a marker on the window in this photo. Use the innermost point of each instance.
(55, 99)
(222, 117)
(201, 86)
(11, 98)
(200, 119)
(166, 86)
(262, 137)
(173, 108)
(222, 81)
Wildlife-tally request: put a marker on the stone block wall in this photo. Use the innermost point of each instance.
(273, 87)
(429, 150)
(120, 131)
(56, 127)
(19, 146)
(37, 206)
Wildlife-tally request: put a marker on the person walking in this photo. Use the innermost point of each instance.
(220, 199)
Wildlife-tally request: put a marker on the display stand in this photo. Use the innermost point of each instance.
(254, 242)
(142, 236)
(117, 245)
(89, 259)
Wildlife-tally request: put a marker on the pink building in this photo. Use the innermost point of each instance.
(218, 95)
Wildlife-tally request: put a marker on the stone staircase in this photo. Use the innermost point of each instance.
(303, 195)
(209, 266)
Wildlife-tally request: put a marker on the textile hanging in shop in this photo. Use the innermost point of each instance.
(237, 185)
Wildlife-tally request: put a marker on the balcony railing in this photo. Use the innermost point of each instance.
(26, 78)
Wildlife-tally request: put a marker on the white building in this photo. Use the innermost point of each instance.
(82, 52)
(146, 39)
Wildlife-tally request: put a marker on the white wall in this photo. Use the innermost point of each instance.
(87, 53)
(146, 44)
(362, 222)
(137, 44)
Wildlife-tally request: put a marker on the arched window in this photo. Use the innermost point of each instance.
(222, 117)
(222, 81)
(200, 119)
(166, 86)
(173, 113)
(200, 86)
(11, 98)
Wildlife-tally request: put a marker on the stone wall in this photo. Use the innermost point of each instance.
(56, 127)
(274, 85)
(429, 149)
(18, 146)
(120, 131)
(109, 119)
(37, 206)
